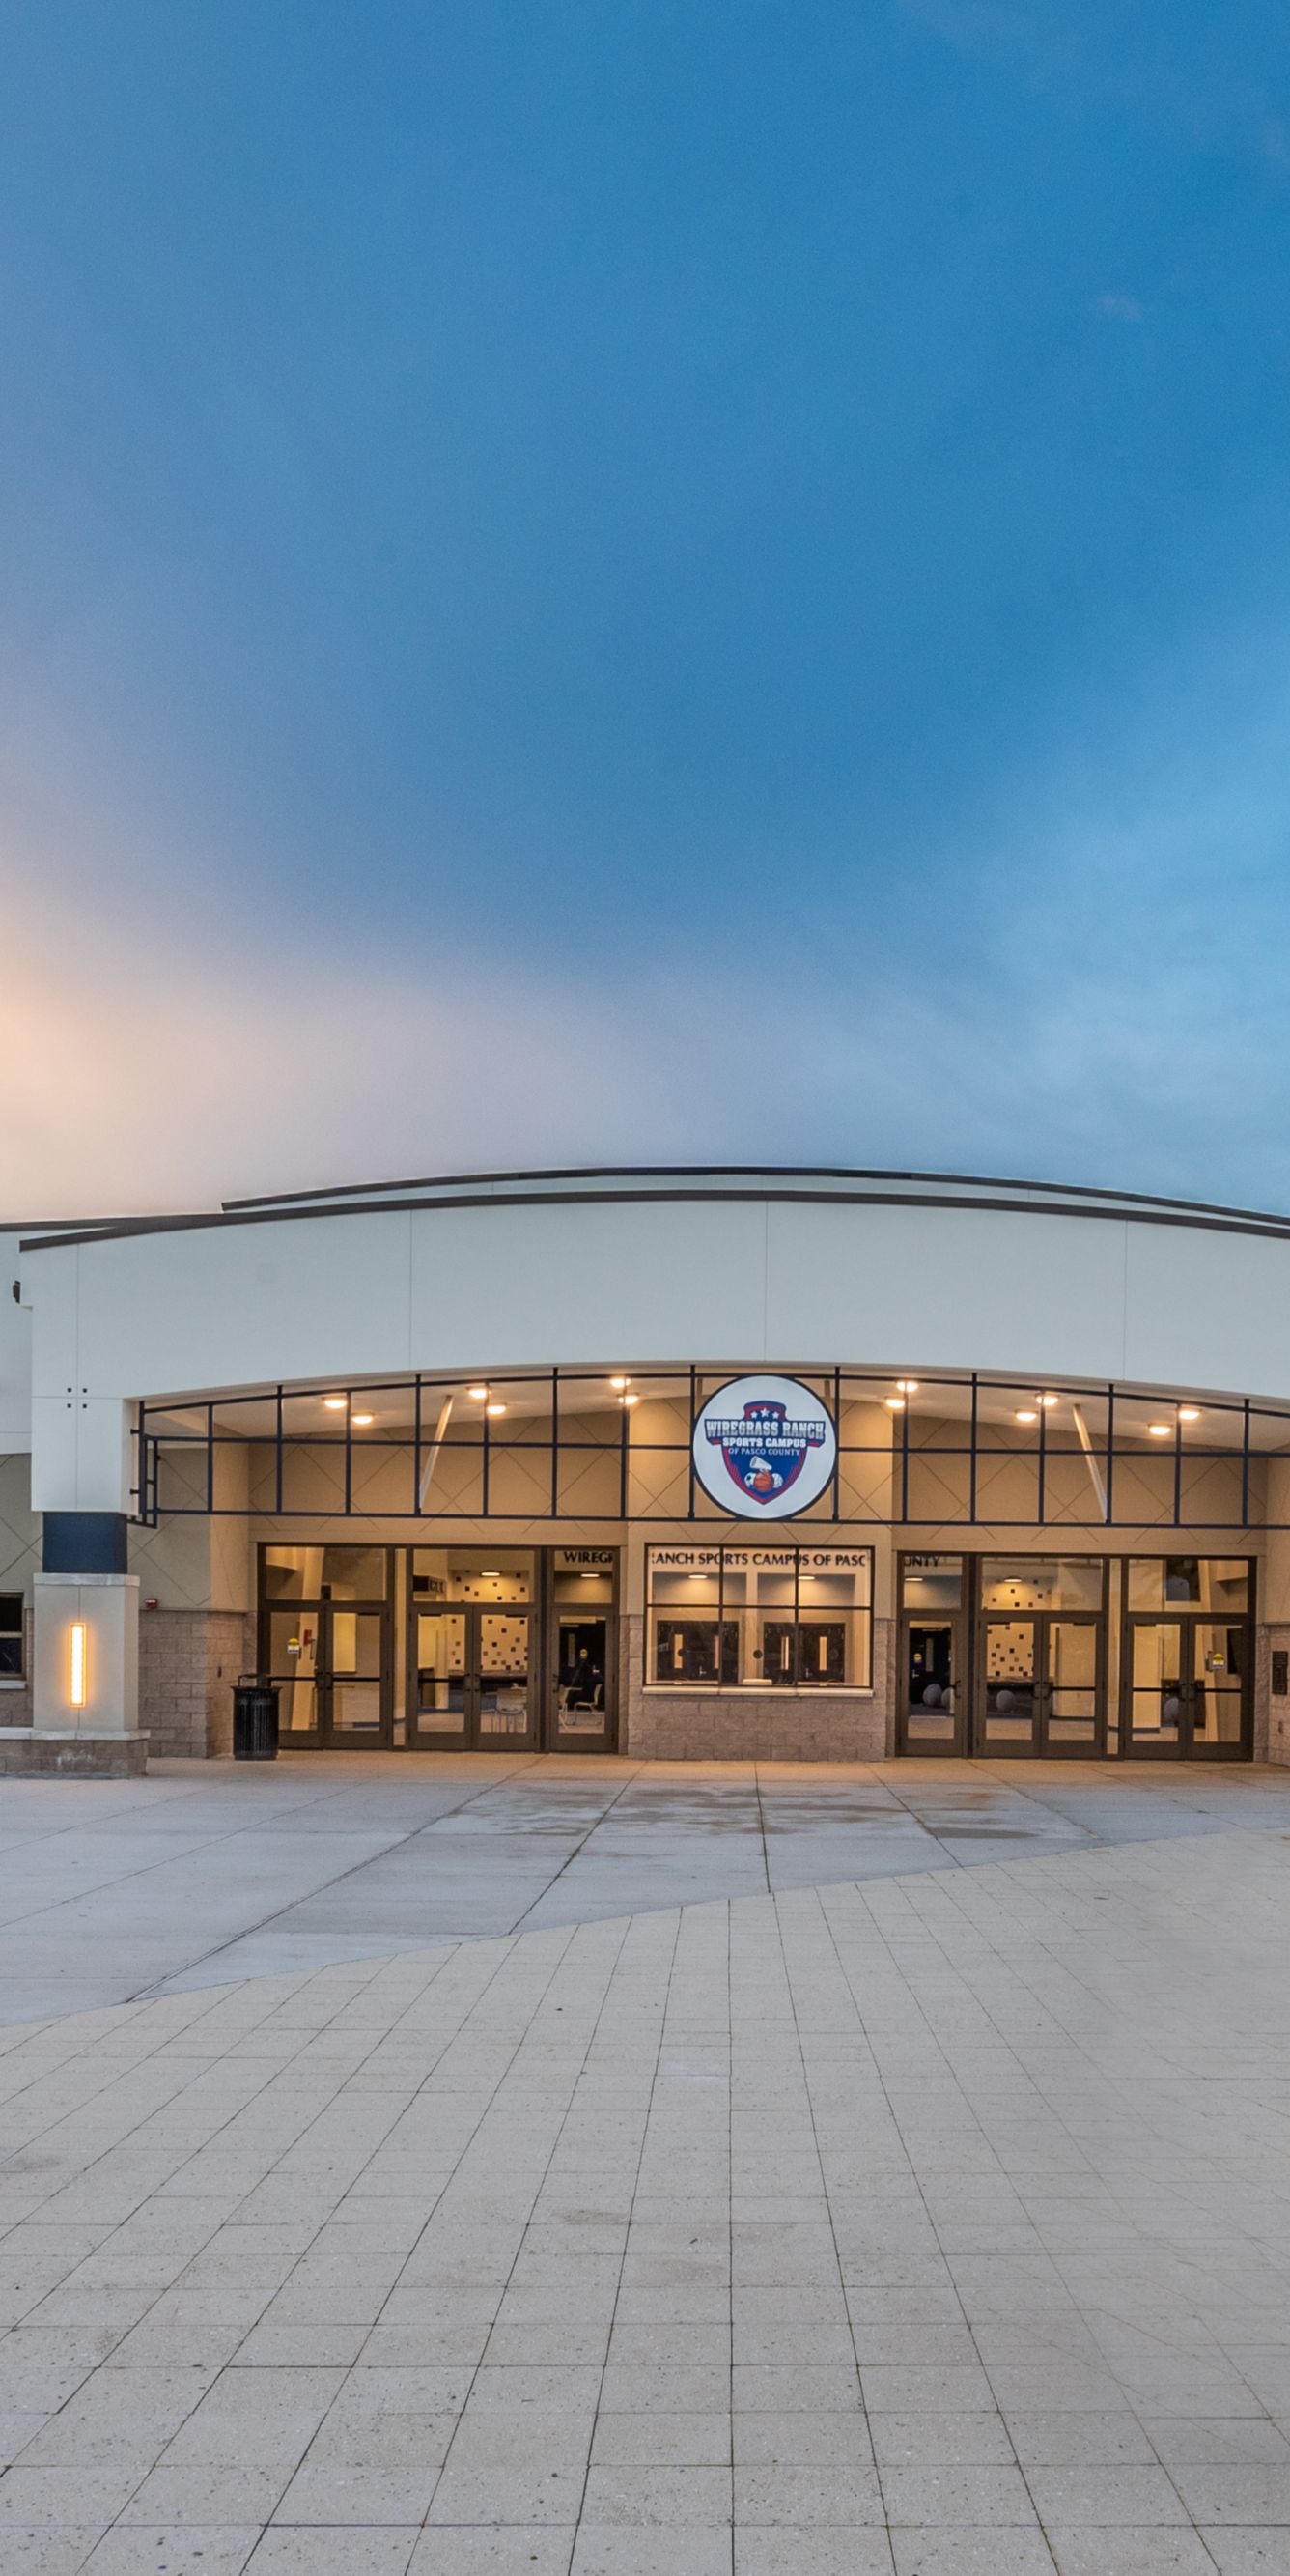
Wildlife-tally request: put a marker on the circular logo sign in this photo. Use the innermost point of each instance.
(764, 1447)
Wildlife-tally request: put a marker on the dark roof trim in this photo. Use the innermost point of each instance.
(1165, 1213)
(747, 1171)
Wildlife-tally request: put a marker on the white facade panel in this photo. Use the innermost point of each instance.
(1208, 1311)
(653, 1282)
(15, 1354)
(640, 1280)
(952, 1288)
(239, 1305)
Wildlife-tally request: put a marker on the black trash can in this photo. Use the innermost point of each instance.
(255, 1720)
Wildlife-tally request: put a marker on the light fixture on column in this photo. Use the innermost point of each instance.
(77, 1673)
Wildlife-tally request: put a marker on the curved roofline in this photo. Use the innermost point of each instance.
(368, 1190)
(784, 1184)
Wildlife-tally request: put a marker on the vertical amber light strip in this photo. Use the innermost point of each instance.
(77, 1661)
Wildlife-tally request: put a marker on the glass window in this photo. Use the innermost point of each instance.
(760, 1618)
(11, 1636)
(932, 1583)
(324, 1573)
(1217, 1583)
(1042, 1582)
(452, 1573)
(584, 1576)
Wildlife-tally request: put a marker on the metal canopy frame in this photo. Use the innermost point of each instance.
(989, 1421)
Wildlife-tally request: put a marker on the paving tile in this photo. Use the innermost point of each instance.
(344, 2551)
(334, 2492)
(1236, 2492)
(987, 2087)
(534, 2549)
(970, 2550)
(785, 2492)
(60, 2552)
(1069, 2439)
(966, 2496)
(796, 2437)
(642, 2549)
(812, 2551)
(1126, 2552)
(230, 2493)
(140, 2549)
(1248, 2552)
(654, 2439)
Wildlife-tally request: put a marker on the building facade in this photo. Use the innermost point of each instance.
(787, 1465)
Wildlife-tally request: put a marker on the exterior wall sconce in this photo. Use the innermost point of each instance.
(77, 1668)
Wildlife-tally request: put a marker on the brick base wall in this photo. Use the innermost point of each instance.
(757, 1726)
(188, 1663)
(1271, 1716)
(68, 1755)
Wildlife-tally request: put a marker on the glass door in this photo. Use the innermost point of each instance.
(353, 1676)
(1218, 1694)
(1186, 1688)
(292, 1668)
(583, 1680)
(473, 1679)
(1074, 1690)
(1010, 1694)
(504, 1713)
(930, 1706)
(1154, 1678)
(1042, 1686)
(438, 1680)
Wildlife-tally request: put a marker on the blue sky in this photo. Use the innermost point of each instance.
(623, 582)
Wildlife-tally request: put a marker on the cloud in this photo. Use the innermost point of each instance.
(1080, 986)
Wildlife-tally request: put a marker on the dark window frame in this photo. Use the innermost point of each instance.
(13, 1634)
(723, 1620)
(177, 1445)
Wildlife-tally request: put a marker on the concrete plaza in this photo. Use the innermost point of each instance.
(206, 1871)
(923, 2217)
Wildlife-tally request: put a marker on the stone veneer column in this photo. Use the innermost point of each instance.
(102, 1735)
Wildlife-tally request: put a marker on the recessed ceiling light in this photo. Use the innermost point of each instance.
(1189, 1413)
(620, 1383)
(907, 1385)
(335, 1403)
(494, 1408)
(490, 1574)
(629, 1399)
(360, 1420)
(1048, 1401)
(895, 1404)
(1027, 1417)
(477, 1393)
(1159, 1431)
